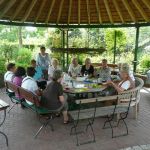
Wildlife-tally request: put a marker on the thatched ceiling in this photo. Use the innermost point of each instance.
(75, 11)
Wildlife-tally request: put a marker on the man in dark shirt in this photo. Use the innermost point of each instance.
(53, 97)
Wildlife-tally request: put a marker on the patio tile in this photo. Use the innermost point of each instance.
(22, 124)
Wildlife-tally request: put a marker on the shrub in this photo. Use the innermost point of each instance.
(2, 65)
(145, 62)
(24, 57)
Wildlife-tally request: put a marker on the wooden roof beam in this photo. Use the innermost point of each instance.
(50, 11)
(88, 11)
(39, 11)
(108, 11)
(1, 1)
(129, 9)
(8, 6)
(60, 9)
(69, 13)
(147, 3)
(98, 11)
(18, 9)
(138, 6)
(118, 10)
(27, 13)
(79, 12)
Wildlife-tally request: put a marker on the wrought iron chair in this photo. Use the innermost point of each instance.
(83, 114)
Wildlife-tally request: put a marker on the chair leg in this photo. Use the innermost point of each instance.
(12, 107)
(122, 119)
(42, 127)
(136, 109)
(5, 137)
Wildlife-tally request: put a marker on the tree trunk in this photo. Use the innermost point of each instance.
(20, 36)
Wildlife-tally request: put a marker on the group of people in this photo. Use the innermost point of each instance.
(34, 79)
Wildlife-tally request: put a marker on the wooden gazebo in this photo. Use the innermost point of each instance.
(77, 14)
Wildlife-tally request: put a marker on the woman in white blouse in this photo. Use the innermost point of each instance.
(53, 67)
(126, 82)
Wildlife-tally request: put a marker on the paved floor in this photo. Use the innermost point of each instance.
(21, 125)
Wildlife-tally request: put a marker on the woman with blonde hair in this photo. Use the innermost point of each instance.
(53, 67)
(87, 69)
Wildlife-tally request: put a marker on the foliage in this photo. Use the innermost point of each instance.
(8, 50)
(24, 57)
(120, 40)
(145, 62)
(2, 65)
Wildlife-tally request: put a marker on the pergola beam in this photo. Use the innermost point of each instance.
(18, 9)
(79, 12)
(69, 13)
(1, 1)
(88, 11)
(50, 11)
(60, 9)
(118, 10)
(138, 6)
(129, 9)
(147, 3)
(75, 25)
(29, 10)
(40, 10)
(8, 6)
(108, 11)
(98, 11)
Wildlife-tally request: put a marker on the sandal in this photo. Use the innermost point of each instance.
(66, 122)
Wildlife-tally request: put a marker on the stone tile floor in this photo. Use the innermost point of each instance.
(21, 125)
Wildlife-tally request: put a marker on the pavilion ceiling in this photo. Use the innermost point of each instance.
(78, 12)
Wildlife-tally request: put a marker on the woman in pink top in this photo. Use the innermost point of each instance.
(17, 80)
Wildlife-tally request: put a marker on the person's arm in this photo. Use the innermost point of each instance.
(38, 92)
(125, 86)
(49, 59)
(69, 71)
(36, 89)
(61, 98)
(60, 93)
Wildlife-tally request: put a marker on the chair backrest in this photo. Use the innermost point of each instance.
(139, 83)
(29, 96)
(11, 86)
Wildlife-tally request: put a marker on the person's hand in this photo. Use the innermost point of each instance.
(109, 82)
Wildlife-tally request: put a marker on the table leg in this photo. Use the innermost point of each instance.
(1, 125)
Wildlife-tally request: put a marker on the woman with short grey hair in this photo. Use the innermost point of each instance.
(53, 97)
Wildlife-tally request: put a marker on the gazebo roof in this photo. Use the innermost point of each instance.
(74, 12)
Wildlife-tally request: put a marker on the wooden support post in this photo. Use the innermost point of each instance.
(63, 46)
(135, 62)
(67, 49)
(115, 43)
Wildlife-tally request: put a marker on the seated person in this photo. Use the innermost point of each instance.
(9, 75)
(52, 68)
(126, 82)
(87, 69)
(30, 84)
(105, 71)
(53, 97)
(38, 76)
(18, 77)
(74, 68)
